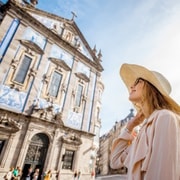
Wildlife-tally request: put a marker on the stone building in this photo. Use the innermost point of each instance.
(50, 93)
(103, 154)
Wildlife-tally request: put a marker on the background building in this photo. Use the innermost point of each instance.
(103, 154)
(50, 93)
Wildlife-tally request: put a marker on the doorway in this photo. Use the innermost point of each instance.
(36, 154)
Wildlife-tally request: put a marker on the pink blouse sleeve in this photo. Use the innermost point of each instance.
(120, 149)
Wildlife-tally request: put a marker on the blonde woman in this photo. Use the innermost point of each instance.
(155, 153)
(48, 175)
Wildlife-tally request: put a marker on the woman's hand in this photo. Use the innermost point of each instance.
(135, 121)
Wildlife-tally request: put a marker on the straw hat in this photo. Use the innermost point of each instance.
(130, 72)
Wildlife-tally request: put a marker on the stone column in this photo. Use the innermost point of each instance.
(7, 152)
(24, 148)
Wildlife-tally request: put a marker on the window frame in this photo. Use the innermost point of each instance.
(19, 68)
(68, 161)
(79, 95)
(50, 83)
(15, 66)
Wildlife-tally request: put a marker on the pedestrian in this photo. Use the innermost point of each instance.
(35, 175)
(78, 175)
(75, 175)
(9, 174)
(15, 173)
(29, 174)
(154, 154)
(19, 173)
(57, 174)
(48, 175)
(92, 175)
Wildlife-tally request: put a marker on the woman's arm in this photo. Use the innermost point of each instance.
(120, 149)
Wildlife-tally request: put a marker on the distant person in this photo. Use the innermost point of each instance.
(57, 174)
(9, 174)
(19, 173)
(48, 175)
(92, 175)
(29, 174)
(79, 175)
(75, 175)
(154, 154)
(15, 173)
(35, 175)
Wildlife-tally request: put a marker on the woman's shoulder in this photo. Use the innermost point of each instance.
(163, 112)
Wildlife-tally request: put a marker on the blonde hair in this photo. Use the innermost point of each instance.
(156, 100)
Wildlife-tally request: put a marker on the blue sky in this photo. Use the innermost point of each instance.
(145, 32)
(128, 31)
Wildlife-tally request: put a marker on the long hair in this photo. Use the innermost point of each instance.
(156, 100)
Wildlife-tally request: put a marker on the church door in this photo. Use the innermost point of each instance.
(36, 154)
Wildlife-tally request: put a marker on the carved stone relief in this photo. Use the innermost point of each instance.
(9, 124)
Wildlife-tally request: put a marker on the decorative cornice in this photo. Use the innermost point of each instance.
(61, 63)
(33, 46)
(9, 124)
(82, 76)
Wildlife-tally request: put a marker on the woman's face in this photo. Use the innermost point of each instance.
(136, 92)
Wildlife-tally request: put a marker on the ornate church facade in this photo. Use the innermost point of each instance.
(50, 93)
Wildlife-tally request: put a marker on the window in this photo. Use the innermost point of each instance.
(55, 84)
(23, 69)
(68, 159)
(79, 95)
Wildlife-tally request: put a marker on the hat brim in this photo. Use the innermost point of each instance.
(130, 72)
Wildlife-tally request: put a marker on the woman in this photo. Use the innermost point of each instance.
(154, 154)
(48, 175)
(35, 175)
(9, 174)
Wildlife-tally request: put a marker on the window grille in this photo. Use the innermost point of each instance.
(68, 158)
